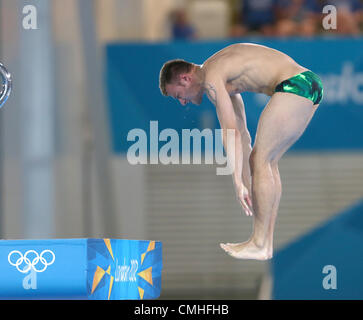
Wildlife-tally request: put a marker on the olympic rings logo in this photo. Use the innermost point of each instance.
(37, 262)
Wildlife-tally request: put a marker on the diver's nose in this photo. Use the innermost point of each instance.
(183, 101)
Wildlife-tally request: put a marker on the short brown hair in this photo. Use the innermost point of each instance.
(170, 70)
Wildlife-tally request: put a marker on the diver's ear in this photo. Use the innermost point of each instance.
(184, 78)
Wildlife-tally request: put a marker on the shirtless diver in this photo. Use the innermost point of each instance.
(295, 95)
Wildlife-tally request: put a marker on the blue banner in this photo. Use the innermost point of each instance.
(96, 269)
(134, 98)
(124, 269)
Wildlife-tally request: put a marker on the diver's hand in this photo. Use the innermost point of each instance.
(244, 198)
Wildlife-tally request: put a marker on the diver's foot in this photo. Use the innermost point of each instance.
(247, 250)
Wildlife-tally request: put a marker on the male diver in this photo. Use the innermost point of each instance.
(295, 95)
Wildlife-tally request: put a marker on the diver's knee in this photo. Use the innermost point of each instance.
(259, 160)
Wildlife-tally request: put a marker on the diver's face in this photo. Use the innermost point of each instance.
(185, 91)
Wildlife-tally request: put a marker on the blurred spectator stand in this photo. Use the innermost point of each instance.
(182, 29)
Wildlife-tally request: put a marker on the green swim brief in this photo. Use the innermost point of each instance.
(306, 84)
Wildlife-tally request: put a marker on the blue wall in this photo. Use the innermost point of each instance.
(297, 269)
(134, 99)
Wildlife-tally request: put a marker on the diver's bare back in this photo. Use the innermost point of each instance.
(250, 67)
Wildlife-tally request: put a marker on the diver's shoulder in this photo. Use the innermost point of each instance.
(246, 45)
